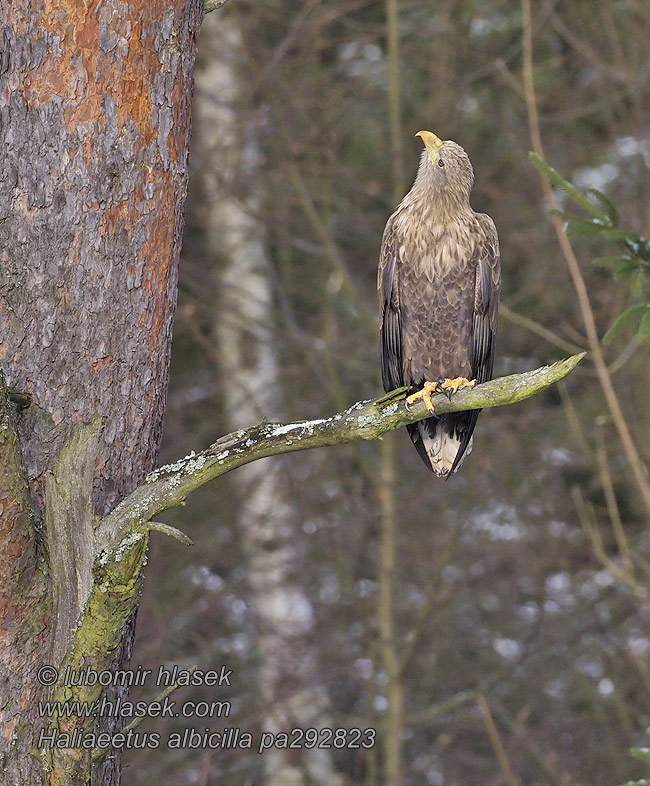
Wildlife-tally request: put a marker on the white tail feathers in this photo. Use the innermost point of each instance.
(441, 449)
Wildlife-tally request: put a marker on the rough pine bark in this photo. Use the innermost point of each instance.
(94, 121)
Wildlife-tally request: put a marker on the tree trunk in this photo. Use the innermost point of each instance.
(95, 117)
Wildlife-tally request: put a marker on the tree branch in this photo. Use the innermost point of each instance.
(213, 5)
(117, 583)
(168, 486)
(120, 538)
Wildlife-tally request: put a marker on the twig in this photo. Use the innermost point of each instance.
(328, 246)
(433, 599)
(495, 739)
(458, 699)
(642, 667)
(99, 754)
(610, 499)
(516, 727)
(593, 533)
(574, 421)
(540, 330)
(604, 377)
(628, 351)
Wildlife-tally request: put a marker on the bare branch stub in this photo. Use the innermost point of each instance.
(213, 5)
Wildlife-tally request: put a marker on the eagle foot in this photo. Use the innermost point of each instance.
(425, 394)
(444, 385)
(450, 386)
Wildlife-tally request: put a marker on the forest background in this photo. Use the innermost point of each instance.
(493, 628)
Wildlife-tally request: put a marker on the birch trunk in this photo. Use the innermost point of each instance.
(244, 335)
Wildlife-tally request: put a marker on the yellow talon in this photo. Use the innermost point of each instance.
(451, 386)
(425, 394)
(445, 386)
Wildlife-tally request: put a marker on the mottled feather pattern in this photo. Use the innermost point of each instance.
(438, 287)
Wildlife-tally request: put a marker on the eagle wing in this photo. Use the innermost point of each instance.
(392, 370)
(484, 319)
(486, 301)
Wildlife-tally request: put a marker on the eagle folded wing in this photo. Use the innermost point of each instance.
(486, 302)
(484, 321)
(392, 372)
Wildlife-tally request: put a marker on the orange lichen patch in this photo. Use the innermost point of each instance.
(156, 282)
(158, 320)
(98, 365)
(177, 135)
(138, 109)
(39, 86)
(138, 71)
(160, 236)
(74, 251)
(85, 111)
(83, 75)
(119, 216)
(87, 23)
(76, 25)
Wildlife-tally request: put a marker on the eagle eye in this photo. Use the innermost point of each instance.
(441, 162)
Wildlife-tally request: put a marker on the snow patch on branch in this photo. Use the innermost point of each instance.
(306, 424)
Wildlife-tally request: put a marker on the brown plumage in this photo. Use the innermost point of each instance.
(438, 288)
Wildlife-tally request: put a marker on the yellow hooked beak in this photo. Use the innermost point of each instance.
(431, 142)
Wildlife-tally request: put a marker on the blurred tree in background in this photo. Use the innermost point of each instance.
(518, 606)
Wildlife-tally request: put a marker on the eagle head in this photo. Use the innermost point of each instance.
(445, 166)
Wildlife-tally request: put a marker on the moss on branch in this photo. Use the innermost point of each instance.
(94, 596)
(117, 582)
